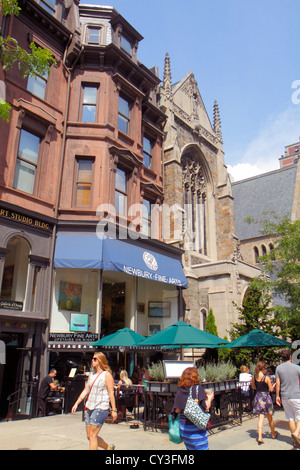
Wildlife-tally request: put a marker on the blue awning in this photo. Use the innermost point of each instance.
(78, 251)
(137, 261)
(89, 251)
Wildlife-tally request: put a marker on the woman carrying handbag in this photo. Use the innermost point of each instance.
(100, 391)
(193, 437)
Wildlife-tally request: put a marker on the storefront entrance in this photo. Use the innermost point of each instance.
(10, 371)
(113, 307)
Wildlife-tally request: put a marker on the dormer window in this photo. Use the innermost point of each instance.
(126, 45)
(93, 35)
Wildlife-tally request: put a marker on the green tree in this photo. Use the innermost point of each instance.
(281, 268)
(211, 326)
(38, 61)
(255, 313)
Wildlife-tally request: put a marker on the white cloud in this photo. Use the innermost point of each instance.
(266, 148)
(243, 170)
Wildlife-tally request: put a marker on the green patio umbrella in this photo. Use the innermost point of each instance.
(121, 338)
(182, 334)
(257, 339)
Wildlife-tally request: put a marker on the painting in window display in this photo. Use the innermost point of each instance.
(69, 297)
(79, 322)
(159, 309)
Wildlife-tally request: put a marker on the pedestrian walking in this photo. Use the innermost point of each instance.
(193, 437)
(46, 386)
(245, 379)
(288, 393)
(99, 391)
(263, 404)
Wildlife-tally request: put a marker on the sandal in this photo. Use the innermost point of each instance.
(111, 447)
(296, 440)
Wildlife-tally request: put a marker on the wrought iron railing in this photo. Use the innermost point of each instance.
(22, 402)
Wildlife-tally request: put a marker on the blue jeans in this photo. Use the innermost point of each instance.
(95, 417)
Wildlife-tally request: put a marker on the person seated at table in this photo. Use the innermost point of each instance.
(122, 386)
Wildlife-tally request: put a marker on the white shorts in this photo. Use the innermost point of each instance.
(291, 408)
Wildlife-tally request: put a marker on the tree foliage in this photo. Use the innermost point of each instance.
(255, 313)
(281, 269)
(37, 61)
(211, 326)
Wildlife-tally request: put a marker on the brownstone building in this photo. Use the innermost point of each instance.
(31, 145)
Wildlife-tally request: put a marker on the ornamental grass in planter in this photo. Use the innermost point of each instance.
(211, 372)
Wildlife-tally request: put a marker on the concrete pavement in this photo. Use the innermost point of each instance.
(67, 432)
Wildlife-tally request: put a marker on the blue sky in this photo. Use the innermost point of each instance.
(243, 54)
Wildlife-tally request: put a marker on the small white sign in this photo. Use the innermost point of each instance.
(174, 369)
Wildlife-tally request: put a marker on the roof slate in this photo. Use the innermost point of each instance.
(273, 191)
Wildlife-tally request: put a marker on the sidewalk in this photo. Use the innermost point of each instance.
(67, 432)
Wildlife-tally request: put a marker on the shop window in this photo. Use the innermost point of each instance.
(113, 306)
(147, 152)
(48, 5)
(84, 180)
(123, 115)
(36, 84)
(121, 192)
(15, 270)
(34, 285)
(27, 162)
(89, 103)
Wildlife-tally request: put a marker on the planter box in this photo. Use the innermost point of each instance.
(173, 387)
(220, 386)
(162, 387)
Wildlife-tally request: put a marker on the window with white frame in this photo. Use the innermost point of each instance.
(27, 162)
(126, 45)
(123, 115)
(48, 5)
(89, 103)
(147, 152)
(121, 192)
(36, 84)
(146, 218)
(84, 180)
(93, 35)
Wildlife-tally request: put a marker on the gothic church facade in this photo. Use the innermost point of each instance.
(201, 221)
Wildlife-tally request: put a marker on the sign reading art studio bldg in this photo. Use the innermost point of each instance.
(25, 220)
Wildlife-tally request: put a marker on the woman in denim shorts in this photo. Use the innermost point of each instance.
(100, 391)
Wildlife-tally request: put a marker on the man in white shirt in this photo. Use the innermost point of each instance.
(288, 393)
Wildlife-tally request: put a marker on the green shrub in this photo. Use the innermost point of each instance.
(217, 372)
(156, 372)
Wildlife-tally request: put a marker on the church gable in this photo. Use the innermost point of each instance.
(188, 102)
